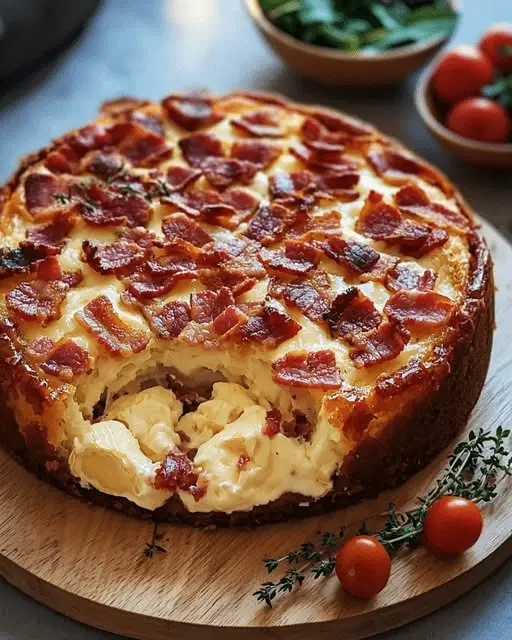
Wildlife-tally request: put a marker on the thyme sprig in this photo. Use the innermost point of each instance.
(153, 546)
(474, 471)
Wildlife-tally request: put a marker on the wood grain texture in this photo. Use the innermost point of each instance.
(88, 563)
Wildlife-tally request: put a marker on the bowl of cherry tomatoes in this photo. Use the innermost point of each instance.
(465, 99)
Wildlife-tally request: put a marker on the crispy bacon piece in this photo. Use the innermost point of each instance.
(414, 201)
(120, 258)
(150, 121)
(177, 473)
(419, 309)
(172, 258)
(178, 225)
(170, 320)
(234, 279)
(228, 209)
(178, 178)
(298, 427)
(269, 327)
(20, 259)
(39, 191)
(63, 159)
(410, 276)
(313, 370)
(223, 172)
(151, 284)
(197, 148)
(376, 346)
(296, 258)
(38, 300)
(270, 223)
(352, 312)
(413, 373)
(102, 206)
(191, 111)
(103, 164)
(54, 233)
(330, 184)
(100, 319)
(323, 160)
(379, 270)
(260, 124)
(337, 123)
(312, 296)
(139, 236)
(92, 136)
(122, 105)
(317, 137)
(272, 423)
(221, 250)
(228, 321)
(356, 256)
(381, 221)
(65, 360)
(142, 147)
(350, 410)
(205, 306)
(260, 154)
(396, 167)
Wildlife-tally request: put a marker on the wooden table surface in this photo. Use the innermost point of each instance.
(149, 48)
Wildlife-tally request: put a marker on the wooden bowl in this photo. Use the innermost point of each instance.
(432, 112)
(330, 66)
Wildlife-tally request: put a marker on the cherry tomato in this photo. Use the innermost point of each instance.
(452, 525)
(363, 566)
(461, 73)
(480, 119)
(496, 43)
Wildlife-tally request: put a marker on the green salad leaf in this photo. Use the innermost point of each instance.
(355, 25)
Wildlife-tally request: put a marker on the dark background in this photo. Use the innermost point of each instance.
(150, 48)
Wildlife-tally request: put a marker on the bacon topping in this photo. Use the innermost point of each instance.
(101, 206)
(272, 423)
(413, 373)
(356, 256)
(142, 147)
(381, 221)
(178, 177)
(191, 111)
(311, 296)
(122, 105)
(39, 190)
(120, 258)
(419, 309)
(104, 165)
(297, 258)
(54, 233)
(177, 473)
(261, 124)
(228, 320)
(376, 346)
(270, 223)
(198, 147)
(269, 327)
(170, 320)
(63, 159)
(261, 154)
(65, 360)
(205, 306)
(139, 236)
(414, 201)
(39, 300)
(318, 138)
(178, 225)
(100, 319)
(352, 312)
(313, 370)
(323, 160)
(337, 123)
(223, 172)
(410, 276)
(349, 409)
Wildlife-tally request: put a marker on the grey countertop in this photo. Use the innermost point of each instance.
(149, 48)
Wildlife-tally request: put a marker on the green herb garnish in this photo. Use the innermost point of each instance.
(474, 471)
(500, 90)
(361, 25)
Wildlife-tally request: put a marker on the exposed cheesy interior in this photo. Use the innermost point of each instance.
(120, 452)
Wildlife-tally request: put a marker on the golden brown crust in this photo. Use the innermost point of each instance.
(406, 444)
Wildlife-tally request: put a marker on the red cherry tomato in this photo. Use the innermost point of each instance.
(461, 73)
(496, 43)
(363, 566)
(452, 525)
(480, 119)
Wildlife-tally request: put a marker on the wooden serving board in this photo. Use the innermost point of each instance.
(88, 563)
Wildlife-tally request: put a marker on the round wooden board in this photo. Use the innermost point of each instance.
(88, 563)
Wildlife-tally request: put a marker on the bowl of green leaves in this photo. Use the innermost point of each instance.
(355, 42)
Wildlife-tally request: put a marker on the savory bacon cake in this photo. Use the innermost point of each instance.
(235, 309)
